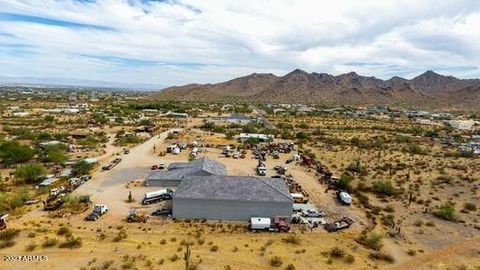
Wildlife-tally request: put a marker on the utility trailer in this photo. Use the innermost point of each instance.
(275, 224)
(157, 196)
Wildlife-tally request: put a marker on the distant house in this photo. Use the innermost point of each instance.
(20, 114)
(238, 119)
(261, 137)
(44, 145)
(71, 110)
(462, 124)
(176, 115)
(79, 134)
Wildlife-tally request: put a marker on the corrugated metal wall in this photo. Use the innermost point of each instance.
(162, 183)
(228, 210)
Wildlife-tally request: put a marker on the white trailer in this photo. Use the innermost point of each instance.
(157, 196)
(259, 223)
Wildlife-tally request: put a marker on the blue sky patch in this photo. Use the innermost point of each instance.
(13, 17)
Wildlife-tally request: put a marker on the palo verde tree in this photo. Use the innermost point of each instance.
(13, 152)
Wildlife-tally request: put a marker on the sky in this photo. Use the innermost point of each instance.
(175, 42)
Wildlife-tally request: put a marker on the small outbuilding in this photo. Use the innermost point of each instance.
(177, 171)
(221, 197)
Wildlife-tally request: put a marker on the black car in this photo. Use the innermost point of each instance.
(162, 212)
(117, 160)
(92, 216)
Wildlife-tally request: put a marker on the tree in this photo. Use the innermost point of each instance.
(302, 135)
(30, 173)
(12, 152)
(56, 157)
(81, 168)
(49, 118)
(229, 134)
(252, 141)
(344, 182)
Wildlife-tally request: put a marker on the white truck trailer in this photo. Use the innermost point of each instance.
(157, 196)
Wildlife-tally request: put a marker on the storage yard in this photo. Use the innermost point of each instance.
(259, 202)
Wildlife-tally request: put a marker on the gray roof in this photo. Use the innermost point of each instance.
(178, 170)
(238, 188)
(238, 117)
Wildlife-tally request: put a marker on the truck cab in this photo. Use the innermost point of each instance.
(262, 171)
(100, 209)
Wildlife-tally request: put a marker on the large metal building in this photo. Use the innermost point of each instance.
(220, 197)
(179, 170)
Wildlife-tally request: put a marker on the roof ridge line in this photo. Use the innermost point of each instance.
(270, 186)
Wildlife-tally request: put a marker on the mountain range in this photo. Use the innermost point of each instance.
(428, 90)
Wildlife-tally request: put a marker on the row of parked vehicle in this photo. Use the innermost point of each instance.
(56, 196)
(112, 164)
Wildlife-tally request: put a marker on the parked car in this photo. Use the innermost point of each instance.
(162, 166)
(126, 151)
(313, 213)
(162, 212)
(344, 197)
(92, 216)
(154, 167)
(117, 160)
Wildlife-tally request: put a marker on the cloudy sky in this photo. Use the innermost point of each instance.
(181, 41)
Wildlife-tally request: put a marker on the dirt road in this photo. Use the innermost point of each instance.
(109, 187)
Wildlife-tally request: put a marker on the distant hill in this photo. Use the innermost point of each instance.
(429, 90)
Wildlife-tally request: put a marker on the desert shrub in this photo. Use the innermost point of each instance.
(31, 247)
(355, 167)
(290, 267)
(7, 244)
(71, 243)
(64, 231)
(11, 201)
(276, 261)
(122, 234)
(214, 248)
(344, 182)
(470, 206)
(49, 242)
(373, 241)
(336, 252)
(384, 188)
(446, 211)
(415, 149)
(292, 239)
(349, 259)
(9, 234)
(382, 256)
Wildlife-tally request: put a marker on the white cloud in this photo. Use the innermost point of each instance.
(176, 42)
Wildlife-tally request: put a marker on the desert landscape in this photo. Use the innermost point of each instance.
(415, 191)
